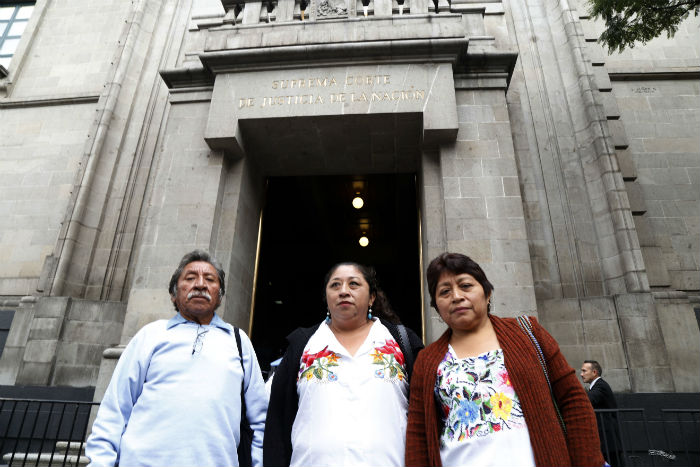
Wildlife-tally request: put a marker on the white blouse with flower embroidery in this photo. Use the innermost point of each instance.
(482, 422)
(352, 409)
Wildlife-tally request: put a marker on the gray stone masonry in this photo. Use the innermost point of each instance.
(134, 132)
(58, 341)
(483, 209)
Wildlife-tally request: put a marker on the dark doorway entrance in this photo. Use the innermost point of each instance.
(309, 224)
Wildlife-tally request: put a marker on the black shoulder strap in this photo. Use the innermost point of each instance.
(240, 354)
(406, 346)
(526, 326)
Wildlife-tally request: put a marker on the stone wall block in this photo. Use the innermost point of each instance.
(76, 375)
(91, 332)
(601, 331)
(80, 312)
(645, 233)
(590, 32)
(573, 354)
(642, 355)
(20, 328)
(551, 311)
(685, 280)
(382, 8)
(614, 356)
(454, 229)
(510, 251)
(657, 271)
(465, 208)
(467, 130)
(619, 135)
(565, 332)
(635, 197)
(251, 12)
(595, 53)
(618, 379)
(477, 249)
(638, 328)
(499, 167)
(612, 111)
(284, 11)
(602, 79)
(9, 364)
(52, 307)
(504, 207)
(629, 305)
(651, 379)
(34, 373)
(46, 328)
(513, 301)
(510, 274)
(40, 351)
(458, 167)
(682, 337)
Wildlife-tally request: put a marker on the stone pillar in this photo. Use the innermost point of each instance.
(382, 8)
(434, 242)
(483, 208)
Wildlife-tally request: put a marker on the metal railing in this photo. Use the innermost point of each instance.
(43, 432)
(631, 439)
(51, 433)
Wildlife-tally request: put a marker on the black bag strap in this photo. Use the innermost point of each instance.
(406, 346)
(526, 326)
(240, 354)
(246, 433)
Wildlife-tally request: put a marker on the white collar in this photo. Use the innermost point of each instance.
(593, 382)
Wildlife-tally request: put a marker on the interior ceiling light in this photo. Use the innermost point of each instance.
(364, 241)
(357, 202)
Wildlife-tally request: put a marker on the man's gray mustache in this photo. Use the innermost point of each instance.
(198, 293)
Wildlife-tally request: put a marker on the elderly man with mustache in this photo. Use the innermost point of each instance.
(175, 395)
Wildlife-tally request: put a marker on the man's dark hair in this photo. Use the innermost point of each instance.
(456, 264)
(192, 256)
(596, 366)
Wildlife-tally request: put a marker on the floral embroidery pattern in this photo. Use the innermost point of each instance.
(318, 365)
(476, 396)
(391, 360)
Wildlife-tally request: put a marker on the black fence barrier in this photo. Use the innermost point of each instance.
(630, 439)
(43, 432)
(52, 433)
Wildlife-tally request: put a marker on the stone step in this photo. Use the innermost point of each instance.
(44, 460)
(73, 453)
(73, 447)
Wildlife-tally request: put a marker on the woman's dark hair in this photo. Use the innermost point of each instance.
(456, 264)
(381, 307)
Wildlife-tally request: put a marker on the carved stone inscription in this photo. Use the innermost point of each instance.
(426, 89)
(320, 90)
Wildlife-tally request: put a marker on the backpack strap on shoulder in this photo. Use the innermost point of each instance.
(406, 348)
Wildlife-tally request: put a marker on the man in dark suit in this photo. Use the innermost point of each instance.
(602, 397)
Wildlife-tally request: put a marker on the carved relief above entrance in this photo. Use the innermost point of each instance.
(332, 9)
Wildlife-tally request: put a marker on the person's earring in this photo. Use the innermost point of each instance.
(328, 316)
(369, 312)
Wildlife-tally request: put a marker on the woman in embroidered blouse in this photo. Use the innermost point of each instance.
(340, 394)
(479, 395)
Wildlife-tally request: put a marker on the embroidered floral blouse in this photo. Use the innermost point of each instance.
(352, 409)
(482, 422)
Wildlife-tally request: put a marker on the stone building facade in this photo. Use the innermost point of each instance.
(133, 132)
